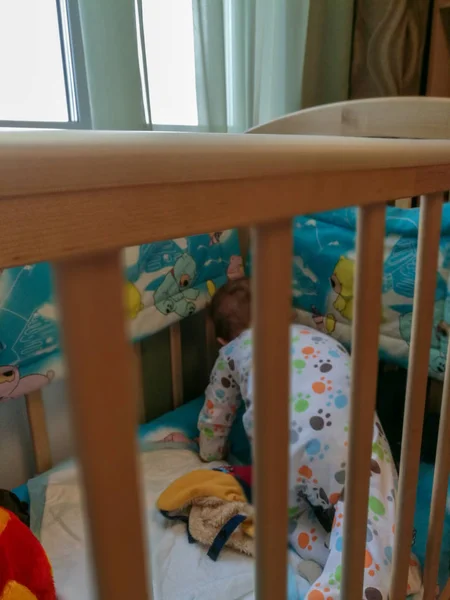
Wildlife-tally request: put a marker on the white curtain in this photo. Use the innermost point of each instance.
(259, 59)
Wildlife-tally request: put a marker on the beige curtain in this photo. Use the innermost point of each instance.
(260, 59)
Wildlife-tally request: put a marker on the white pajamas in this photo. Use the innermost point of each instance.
(320, 383)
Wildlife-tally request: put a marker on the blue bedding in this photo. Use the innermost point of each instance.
(185, 419)
(323, 278)
(165, 282)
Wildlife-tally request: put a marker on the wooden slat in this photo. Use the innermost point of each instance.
(211, 343)
(140, 397)
(439, 496)
(103, 402)
(403, 203)
(438, 78)
(272, 250)
(176, 365)
(366, 325)
(416, 389)
(99, 220)
(38, 430)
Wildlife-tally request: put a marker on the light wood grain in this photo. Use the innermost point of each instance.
(406, 117)
(404, 203)
(38, 429)
(103, 403)
(366, 325)
(438, 80)
(272, 249)
(422, 324)
(439, 496)
(58, 226)
(176, 364)
(43, 162)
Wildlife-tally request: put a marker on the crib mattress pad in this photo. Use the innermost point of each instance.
(63, 478)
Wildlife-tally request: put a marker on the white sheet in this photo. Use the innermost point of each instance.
(182, 571)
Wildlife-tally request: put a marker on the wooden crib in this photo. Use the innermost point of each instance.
(77, 198)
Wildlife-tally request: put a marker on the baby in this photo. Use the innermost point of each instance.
(319, 398)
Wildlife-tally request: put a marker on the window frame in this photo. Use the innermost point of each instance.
(75, 77)
(148, 125)
(74, 73)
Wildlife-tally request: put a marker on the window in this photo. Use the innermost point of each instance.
(167, 62)
(43, 81)
(43, 74)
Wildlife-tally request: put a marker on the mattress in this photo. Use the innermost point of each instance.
(181, 570)
(55, 505)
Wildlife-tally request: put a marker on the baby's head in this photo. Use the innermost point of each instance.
(230, 310)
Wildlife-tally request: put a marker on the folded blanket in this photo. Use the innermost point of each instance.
(181, 570)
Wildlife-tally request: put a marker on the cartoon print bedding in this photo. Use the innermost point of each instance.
(163, 282)
(323, 276)
(166, 281)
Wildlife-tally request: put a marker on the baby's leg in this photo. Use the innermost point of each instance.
(379, 537)
(307, 536)
(377, 569)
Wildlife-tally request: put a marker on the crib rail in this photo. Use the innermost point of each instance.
(427, 262)
(78, 199)
(136, 186)
(369, 270)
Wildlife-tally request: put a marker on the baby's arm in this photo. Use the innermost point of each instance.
(222, 399)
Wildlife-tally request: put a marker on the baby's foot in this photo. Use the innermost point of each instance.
(177, 436)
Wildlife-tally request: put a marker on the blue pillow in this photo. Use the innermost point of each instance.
(421, 520)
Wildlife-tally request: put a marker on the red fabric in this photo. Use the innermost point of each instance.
(244, 473)
(23, 559)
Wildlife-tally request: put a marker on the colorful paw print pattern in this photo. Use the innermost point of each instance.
(319, 390)
(319, 417)
(379, 536)
(320, 405)
(328, 585)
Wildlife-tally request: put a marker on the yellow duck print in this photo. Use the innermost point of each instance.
(342, 282)
(133, 301)
(211, 287)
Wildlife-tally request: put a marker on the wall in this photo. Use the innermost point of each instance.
(16, 453)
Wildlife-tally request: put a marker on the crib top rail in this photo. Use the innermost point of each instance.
(55, 161)
(415, 117)
(72, 193)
